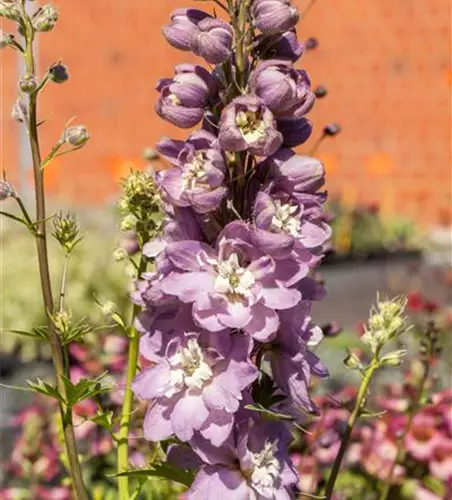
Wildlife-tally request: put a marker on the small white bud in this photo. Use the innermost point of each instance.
(45, 18)
(109, 308)
(352, 361)
(128, 223)
(10, 10)
(394, 358)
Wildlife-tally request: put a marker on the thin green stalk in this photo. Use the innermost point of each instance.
(360, 401)
(41, 243)
(401, 440)
(124, 426)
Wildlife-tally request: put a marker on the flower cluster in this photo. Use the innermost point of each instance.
(226, 321)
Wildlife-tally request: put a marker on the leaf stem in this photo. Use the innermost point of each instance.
(359, 403)
(124, 426)
(41, 243)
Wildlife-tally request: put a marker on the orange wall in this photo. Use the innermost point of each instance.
(386, 65)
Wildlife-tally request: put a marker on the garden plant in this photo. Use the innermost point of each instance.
(205, 386)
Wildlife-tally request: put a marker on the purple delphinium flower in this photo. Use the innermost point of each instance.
(197, 386)
(183, 25)
(294, 132)
(212, 40)
(235, 285)
(285, 90)
(197, 180)
(274, 16)
(292, 364)
(254, 463)
(184, 97)
(283, 46)
(248, 125)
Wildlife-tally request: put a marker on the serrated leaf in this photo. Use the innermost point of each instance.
(46, 389)
(76, 332)
(104, 419)
(83, 389)
(163, 470)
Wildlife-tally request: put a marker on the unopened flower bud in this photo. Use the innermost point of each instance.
(58, 73)
(5, 190)
(352, 361)
(128, 223)
(150, 154)
(320, 91)
(109, 308)
(65, 230)
(45, 18)
(5, 39)
(274, 16)
(19, 112)
(332, 129)
(394, 358)
(212, 40)
(62, 321)
(28, 83)
(10, 10)
(119, 254)
(311, 43)
(76, 136)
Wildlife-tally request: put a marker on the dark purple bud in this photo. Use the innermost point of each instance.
(184, 97)
(212, 40)
(295, 132)
(58, 73)
(274, 16)
(331, 329)
(284, 46)
(285, 90)
(320, 91)
(332, 129)
(247, 124)
(311, 43)
(183, 25)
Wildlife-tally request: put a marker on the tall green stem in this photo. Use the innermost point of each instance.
(360, 401)
(124, 426)
(46, 286)
(401, 440)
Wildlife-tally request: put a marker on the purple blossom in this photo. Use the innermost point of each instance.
(253, 464)
(197, 386)
(248, 125)
(292, 364)
(184, 24)
(212, 40)
(235, 285)
(294, 132)
(286, 91)
(184, 97)
(274, 16)
(283, 46)
(197, 180)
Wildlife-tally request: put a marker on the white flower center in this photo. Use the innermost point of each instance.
(266, 470)
(251, 127)
(173, 99)
(283, 219)
(190, 367)
(194, 172)
(232, 278)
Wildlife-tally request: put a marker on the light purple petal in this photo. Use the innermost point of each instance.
(188, 415)
(218, 482)
(157, 423)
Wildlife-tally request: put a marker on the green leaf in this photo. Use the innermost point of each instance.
(164, 470)
(104, 419)
(84, 389)
(38, 332)
(46, 389)
(76, 332)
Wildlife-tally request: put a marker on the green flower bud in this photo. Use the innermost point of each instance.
(28, 83)
(5, 39)
(352, 361)
(128, 223)
(109, 308)
(62, 321)
(45, 18)
(119, 254)
(65, 230)
(10, 10)
(6, 190)
(394, 358)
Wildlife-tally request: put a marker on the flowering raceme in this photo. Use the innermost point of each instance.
(226, 309)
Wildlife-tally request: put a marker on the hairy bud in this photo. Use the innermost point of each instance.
(6, 190)
(28, 83)
(352, 361)
(128, 223)
(10, 10)
(394, 358)
(76, 136)
(45, 18)
(62, 321)
(66, 230)
(58, 73)
(5, 39)
(19, 111)
(120, 254)
(109, 308)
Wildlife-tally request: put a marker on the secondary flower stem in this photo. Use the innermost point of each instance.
(124, 426)
(401, 440)
(360, 401)
(41, 242)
